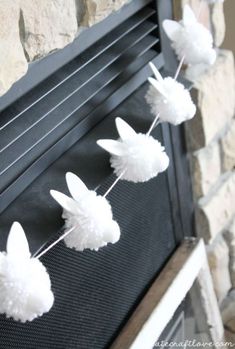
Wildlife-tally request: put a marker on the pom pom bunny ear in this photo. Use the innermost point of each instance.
(88, 215)
(141, 157)
(25, 287)
(188, 15)
(76, 186)
(155, 72)
(65, 201)
(171, 28)
(17, 244)
(158, 86)
(170, 100)
(113, 147)
(125, 131)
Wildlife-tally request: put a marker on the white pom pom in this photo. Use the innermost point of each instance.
(138, 156)
(89, 213)
(190, 39)
(25, 287)
(171, 100)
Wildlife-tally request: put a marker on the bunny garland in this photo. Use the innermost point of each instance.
(190, 39)
(25, 286)
(170, 99)
(136, 156)
(89, 213)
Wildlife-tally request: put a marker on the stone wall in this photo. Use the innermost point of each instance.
(211, 144)
(33, 29)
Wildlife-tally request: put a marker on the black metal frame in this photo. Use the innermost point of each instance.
(178, 176)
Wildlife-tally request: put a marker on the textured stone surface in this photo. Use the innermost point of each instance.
(47, 25)
(229, 337)
(228, 148)
(216, 210)
(218, 23)
(13, 63)
(230, 238)
(214, 94)
(228, 307)
(32, 29)
(230, 325)
(228, 316)
(219, 266)
(97, 10)
(206, 169)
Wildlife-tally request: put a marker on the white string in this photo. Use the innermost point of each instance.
(55, 243)
(155, 122)
(179, 68)
(114, 183)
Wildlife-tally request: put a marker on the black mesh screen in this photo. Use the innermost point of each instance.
(95, 292)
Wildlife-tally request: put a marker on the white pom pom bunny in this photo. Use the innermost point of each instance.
(90, 215)
(170, 99)
(190, 39)
(25, 287)
(136, 156)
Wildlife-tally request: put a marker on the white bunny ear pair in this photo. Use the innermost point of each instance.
(172, 28)
(190, 39)
(25, 287)
(89, 214)
(169, 99)
(136, 157)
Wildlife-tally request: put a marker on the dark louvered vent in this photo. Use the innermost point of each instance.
(44, 123)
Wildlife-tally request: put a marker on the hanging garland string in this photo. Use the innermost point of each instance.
(155, 122)
(40, 254)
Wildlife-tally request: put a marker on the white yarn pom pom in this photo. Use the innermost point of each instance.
(25, 287)
(89, 213)
(137, 156)
(170, 99)
(190, 39)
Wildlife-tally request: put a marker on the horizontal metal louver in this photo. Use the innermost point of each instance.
(43, 124)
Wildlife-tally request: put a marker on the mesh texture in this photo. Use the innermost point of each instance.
(95, 292)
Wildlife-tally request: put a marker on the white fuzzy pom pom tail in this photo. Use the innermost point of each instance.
(137, 157)
(89, 214)
(25, 286)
